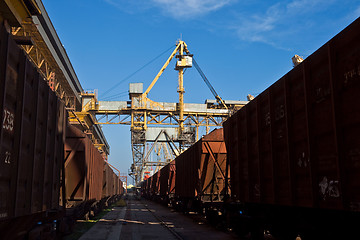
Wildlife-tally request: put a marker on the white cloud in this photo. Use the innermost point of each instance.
(254, 28)
(185, 9)
(302, 6)
(189, 8)
(278, 20)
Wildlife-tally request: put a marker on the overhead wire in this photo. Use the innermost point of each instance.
(116, 95)
(204, 78)
(141, 68)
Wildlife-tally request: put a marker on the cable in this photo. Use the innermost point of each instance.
(129, 76)
(204, 78)
(115, 98)
(116, 95)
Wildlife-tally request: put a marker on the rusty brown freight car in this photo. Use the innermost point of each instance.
(31, 145)
(155, 186)
(148, 183)
(83, 168)
(108, 184)
(144, 188)
(200, 172)
(294, 150)
(112, 185)
(167, 182)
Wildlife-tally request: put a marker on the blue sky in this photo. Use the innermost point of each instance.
(242, 46)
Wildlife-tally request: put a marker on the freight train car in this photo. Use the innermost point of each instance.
(33, 190)
(200, 173)
(112, 185)
(167, 183)
(31, 146)
(146, 189)
(90, 183)
(83, 170)
(195, 180)
(155, 186)
(294, 150)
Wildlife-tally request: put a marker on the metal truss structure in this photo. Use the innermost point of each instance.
(30, 36)
(161, 129)
(32, 30)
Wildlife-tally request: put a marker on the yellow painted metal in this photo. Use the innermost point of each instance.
(221, 101)
(19, 9)
(42, 57)
(181, 92)
(144, 95)
(144, 112)
(83, 118)
(18, 15)
(181, 47)
(91, 104)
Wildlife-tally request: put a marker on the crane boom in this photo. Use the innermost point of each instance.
(218, 98)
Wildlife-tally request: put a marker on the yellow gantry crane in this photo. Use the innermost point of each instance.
(167, 127)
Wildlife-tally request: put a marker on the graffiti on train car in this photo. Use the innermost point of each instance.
(7, 157)
(8, 121)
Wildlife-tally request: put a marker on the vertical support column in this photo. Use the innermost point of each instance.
(197, 132)
(181, 93)
(145, 120)
(207, 125)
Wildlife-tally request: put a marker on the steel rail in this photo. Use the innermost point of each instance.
(163, 223)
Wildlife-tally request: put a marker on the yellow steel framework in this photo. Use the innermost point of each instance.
(43, 59)
(18, 16)
(33, 31)
(142, 113)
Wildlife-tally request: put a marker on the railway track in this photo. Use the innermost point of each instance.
(148, 220)
(163, 223)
